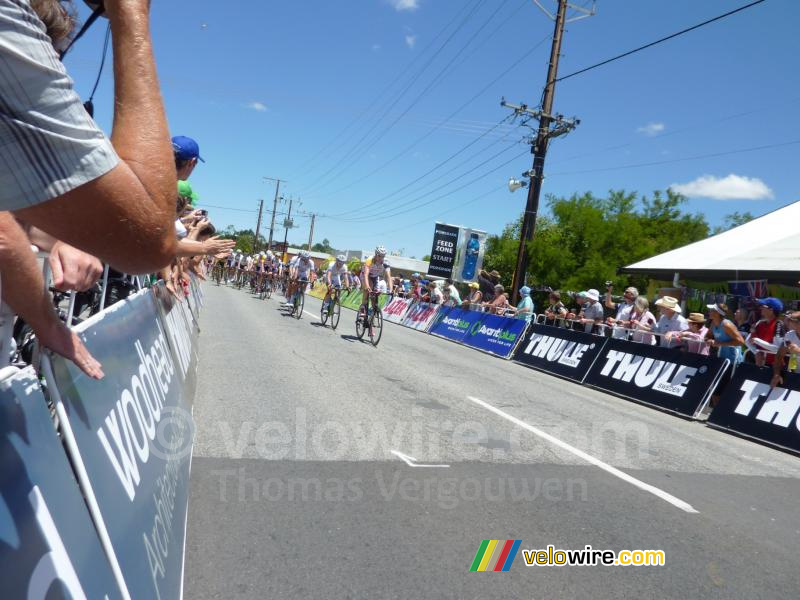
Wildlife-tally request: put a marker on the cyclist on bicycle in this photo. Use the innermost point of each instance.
(374, 269)
(335, 277)
(298, 272)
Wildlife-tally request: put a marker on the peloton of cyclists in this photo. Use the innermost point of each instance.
(335, 277)
(300, 267)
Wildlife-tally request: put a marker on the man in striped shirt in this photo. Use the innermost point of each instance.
(113, 198)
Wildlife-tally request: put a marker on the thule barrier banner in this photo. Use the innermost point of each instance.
(563, 352)
(749, 406)
(668, 378)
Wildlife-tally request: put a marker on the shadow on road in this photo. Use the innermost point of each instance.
(350, 338)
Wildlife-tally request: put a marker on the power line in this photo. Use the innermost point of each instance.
(430, 132)
(376, 100)
(659, 41)
(414, 79)
(675, 160)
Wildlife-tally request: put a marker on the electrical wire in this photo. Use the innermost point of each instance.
(323, 178)
(659, 41)
(514, 65)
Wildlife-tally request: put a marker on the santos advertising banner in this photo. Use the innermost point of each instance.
(665, 377)
(750, 406)
(48, 545)
(134, 433)
(563, 352)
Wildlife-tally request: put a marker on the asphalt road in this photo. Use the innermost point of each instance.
(302, 481)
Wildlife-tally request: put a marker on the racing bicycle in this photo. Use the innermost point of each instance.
(333, 310)
(369, 319)
(299, 299)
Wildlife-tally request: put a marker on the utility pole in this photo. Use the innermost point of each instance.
(287, 222)
(258, 225)
(311, 233)
(550, 126)
(274, 207)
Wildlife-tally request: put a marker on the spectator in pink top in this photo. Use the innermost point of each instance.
(694, 337)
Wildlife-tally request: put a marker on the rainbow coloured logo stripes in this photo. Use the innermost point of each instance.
(495, 555)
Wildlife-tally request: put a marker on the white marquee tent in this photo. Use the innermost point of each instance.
(765, 248)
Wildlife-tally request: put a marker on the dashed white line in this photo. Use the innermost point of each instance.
(684, 506)
(412, 462)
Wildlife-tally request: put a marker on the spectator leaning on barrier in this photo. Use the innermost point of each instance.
(622, 318)
(487, 283)
(499, 304)
(766, 336)
(434, 295)
(453, 297)
(742, 319)
(556, 311)
(591, 315)
(642, 321)
(723, 334)
(694, 338)
(61, 175)
(475, 296)
(671, 322)
(525, 306)
(790, 345)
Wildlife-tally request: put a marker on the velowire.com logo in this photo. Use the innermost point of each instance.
(495, 555)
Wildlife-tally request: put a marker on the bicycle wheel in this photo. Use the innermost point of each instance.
(361, 319)
(376, 326)
(324, 311)
(336, 311)
(300, 302)
(268, 290)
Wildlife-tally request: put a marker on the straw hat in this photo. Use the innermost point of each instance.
(670, 303)
(696, 318)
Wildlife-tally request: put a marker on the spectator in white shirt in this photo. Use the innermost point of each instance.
(592, 314)
(671, 323)
(643, 321)
(622, 319)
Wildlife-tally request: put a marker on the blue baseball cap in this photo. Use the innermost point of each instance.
(773, 303)
(186, 148)
(525, 290)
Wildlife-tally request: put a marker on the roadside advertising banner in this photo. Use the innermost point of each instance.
(469, 261)
(134, 434)
(495, 334)
(420, 315)
(395, 310)
(668, 378)
(751, 407)
(443, 251)
(454, 323)
(48, 544)
(563, 352)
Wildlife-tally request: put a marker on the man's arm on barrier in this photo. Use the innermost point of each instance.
(124, 216)
(23, 290)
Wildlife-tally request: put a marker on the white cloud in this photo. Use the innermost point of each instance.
(411, 40)
(258, 106)
(732, 187)
(651, 129)
(400, 5)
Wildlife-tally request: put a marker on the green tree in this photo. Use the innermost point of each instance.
(733, 220)
(324, 246)
(582, 240)
(426, 258)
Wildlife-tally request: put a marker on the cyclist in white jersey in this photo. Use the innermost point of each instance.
(301, 270)
(335, 277)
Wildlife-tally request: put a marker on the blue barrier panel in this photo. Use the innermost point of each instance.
(495, 334)
(751, 407)
(454, 323)
(132, 433)
(48, 545)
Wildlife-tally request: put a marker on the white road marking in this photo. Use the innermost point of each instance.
(308, 313)
(684, 506)
(412, 462)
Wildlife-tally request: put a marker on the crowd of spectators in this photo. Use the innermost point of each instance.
(84, 197)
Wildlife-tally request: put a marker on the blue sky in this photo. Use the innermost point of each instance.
(287, 89)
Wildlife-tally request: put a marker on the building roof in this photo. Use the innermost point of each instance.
(314, 255)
